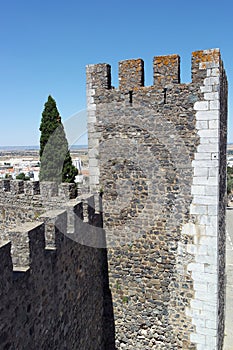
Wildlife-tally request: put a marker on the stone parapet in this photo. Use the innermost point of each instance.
(166, 70)
(131, 74)
(22, 201)
(53, 288)
(47, 189)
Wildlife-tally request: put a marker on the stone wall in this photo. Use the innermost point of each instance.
(155, 154)
(54, 290)
(209, 202)
(24, 201)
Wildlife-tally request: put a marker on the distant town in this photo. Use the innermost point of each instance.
(230, 155)
(25, 160)
(15, 161)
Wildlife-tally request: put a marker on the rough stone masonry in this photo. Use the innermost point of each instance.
(53, 288)
(158, 154)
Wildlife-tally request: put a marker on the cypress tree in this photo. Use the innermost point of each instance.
(56, 162)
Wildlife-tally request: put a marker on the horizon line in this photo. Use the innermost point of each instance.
(37, 146)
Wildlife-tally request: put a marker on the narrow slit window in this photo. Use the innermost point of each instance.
(165, 95)
(130, 97)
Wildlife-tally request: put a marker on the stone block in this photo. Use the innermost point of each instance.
(213, 172)
(214, 104)
(203, 124)
(209, 140)
(201, 172)
(212, 210)
(197, 338)
(94, 171)
(91, 107)
(215, 72)
(206, 331)
(212, 190)
(206, 259)
(211, 231)
(203, 156)
(199, 322)
(205, 163)
(209, 307)
(202, 249)
(211, 96)
(210, 242)
(198, 268)
(210, 269)
(201, 295)
(213, 124)
(94, 162)
(196, 304)
(211, 324)
(191, 249)
(196, 209)
(204, 219)
(211, 341)
(211, 81)
(201, 106)
(208, 133)
(207, 115)
(198, 189)
(210, 181)
(206, 88)
(213, 147)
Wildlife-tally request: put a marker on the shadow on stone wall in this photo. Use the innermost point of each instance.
(54, 290)
(108, 321)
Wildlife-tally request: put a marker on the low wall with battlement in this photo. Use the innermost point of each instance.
(54, 289)
(23, 201)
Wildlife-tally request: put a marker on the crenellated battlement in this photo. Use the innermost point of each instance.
(24, 201)
(26, 238)
(19, 187)
(166, 71)
(131, 74)
(33, 188)
(46, 226)
(52, 286)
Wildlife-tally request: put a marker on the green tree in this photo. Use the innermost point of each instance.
(56, 162)
(22, 176)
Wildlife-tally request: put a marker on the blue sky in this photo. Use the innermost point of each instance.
(45, 46)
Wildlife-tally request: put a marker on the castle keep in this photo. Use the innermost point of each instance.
(158, 154)
(138, 263)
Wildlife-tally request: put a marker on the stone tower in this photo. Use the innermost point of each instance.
(158, 154)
